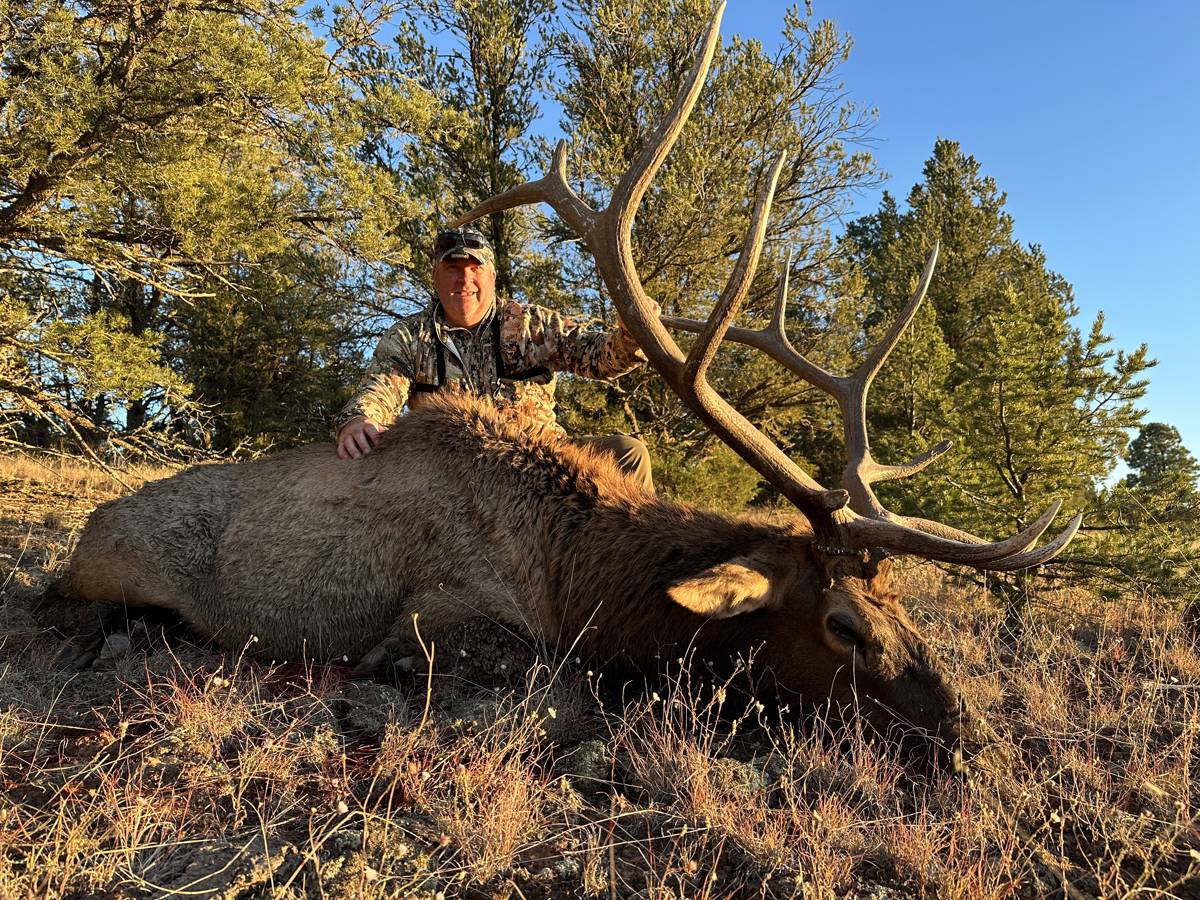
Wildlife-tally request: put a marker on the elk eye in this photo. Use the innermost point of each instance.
(844, 632)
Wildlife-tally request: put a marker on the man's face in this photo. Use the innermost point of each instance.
(466, 289)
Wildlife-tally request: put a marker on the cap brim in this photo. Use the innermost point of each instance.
(480, 256)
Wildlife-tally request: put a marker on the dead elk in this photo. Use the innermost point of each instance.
(459, 514)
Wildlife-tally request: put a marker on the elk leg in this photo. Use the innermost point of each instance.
(81, 651)
(396, 646)
(425, 615)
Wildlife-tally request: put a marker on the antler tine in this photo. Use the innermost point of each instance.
(875, 359)
(1037, 557)
(1002, 556)
(772, 340)
(551, 189)
(628, 193)
(902, 538)
(730, 302)
(895, 473)
(692, 383)
(781, 348)
(861, 469)
(873, 524)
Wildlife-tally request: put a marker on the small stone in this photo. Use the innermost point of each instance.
(568, 868)
(589, 766)
(116, 646)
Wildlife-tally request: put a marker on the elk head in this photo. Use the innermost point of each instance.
(857, 631)
(824, 626)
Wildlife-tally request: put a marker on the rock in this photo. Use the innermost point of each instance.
(743, 778)
(568, 868)
(223, 869)
(116, 646)
(343, 841)
(589, 766)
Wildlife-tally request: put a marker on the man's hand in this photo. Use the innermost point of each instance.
(655, 311)
(358, 437)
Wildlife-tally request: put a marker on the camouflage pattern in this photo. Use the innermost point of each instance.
(482, 255)
(531, 338)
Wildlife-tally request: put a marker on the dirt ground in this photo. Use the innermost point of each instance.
(170, 768)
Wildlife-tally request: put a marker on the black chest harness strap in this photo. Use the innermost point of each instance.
(440, 360)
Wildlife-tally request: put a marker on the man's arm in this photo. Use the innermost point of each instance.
(544, 338)
(380, 397)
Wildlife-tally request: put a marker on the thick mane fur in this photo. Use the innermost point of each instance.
(575, 510)
(463, 423)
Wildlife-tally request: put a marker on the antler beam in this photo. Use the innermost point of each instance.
(608, 235)
(851, 518)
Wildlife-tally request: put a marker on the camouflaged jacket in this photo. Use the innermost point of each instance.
(511, 356)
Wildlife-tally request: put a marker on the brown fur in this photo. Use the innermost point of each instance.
(457, 514)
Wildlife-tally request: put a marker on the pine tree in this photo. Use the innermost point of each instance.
(486, 63)
(622, 65)
(1160, 462)
(151, 153)
(1038, 409)
(1146, 524)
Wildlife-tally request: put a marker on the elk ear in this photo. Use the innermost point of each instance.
(731, 588)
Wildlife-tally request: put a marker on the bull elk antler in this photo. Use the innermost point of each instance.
(851, 519)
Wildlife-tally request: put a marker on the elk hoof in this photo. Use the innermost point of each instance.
(79, 653)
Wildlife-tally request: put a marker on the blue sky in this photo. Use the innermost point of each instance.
(1086, 113)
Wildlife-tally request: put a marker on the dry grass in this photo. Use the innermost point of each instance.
(70, 473)
(174, 768)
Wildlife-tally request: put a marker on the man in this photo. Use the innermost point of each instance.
(468, 340)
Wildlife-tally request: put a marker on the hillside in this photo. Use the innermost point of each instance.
(172, 767)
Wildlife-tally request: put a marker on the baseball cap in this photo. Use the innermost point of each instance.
(463, 243)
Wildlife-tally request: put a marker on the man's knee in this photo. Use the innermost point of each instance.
(633, 457)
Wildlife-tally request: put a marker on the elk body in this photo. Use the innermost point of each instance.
(456, 515)
(459, 514)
